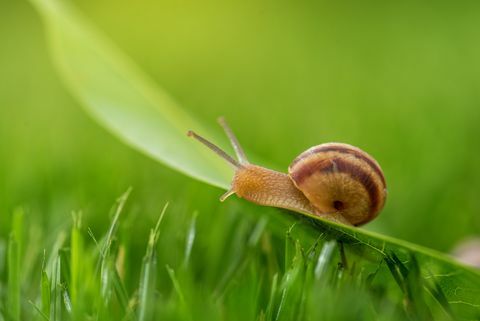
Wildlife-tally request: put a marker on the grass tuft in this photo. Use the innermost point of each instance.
(187, 273)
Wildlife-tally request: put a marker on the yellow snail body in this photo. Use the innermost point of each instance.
(335, 181)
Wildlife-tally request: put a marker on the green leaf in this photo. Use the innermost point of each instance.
(124, 100)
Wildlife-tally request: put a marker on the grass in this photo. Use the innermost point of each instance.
(247, 277)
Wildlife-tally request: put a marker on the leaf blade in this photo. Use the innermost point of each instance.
(124, 99)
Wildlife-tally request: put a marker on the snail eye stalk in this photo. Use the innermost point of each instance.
(217, 150)
(242, 158)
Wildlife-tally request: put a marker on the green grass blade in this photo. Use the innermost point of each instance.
(106, 260)
(45, 286)
(3, 258)
(15, 247)
(46, 299)
(324, 259)
(176, 286)
(39, 311)
(51, 262)
(14, 282)
(75, 259)
(190, 239)
(147, 282)
(120, 290)
(55, 312)
(289, 247)
(271, 301)
(146, 300)
(114, 224)
(291, 286)
(18, 228)
(63, 295)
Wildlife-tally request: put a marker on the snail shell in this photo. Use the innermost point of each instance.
(338, 177)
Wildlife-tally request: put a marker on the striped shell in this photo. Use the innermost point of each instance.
(340, 178)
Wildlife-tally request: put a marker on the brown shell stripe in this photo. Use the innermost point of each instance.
(339, 165)
(340, 148)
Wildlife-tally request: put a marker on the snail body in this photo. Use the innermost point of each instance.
(335, 181)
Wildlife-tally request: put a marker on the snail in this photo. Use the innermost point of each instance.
(334, 181)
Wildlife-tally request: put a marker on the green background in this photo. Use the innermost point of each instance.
(399, 80)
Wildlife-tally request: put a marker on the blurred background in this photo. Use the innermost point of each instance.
(400, 80)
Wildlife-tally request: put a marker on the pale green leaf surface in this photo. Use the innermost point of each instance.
(123, 99)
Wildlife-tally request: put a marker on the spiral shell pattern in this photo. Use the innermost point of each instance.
(340, 178)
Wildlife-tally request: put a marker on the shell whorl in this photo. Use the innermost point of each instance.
(340, 178)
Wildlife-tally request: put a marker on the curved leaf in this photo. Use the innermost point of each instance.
(123, 99)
